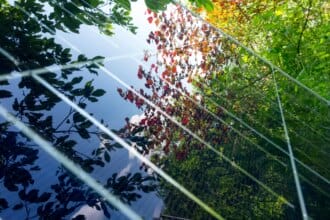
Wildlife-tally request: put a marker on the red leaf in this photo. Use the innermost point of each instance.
(150, 19)
(149, 82)
(165, 73)
(169, 110)
(140, 72)
(145, 58)
(130, 96)
(174, 69)
(139, 102)
(178, 85)
(163, 27)
(185, 120)
(143, 121)
(166, 88)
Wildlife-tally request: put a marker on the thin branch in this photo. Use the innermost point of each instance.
(304, 27)
(64, 119)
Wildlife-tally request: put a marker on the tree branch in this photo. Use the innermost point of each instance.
(304, 27)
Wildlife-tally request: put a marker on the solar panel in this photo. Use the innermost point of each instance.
(137, 119)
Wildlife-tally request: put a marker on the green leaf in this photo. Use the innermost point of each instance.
(95, 3)
(82, 58)
(157, 5)
(77, 92)
(124, 3)
(89, 84)
(98, 92)
(92, 99)
(76, 80)
(208, 5)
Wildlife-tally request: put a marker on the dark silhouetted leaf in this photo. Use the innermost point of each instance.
(83, 133)
(98, 92)
(44, 197)
(79, 217)
(76, 80)
(18, 206)
(32, 196)
(77, 117)
(3, 204)
(105, 210)
(107, 157)
(92, 99)
(5, 94)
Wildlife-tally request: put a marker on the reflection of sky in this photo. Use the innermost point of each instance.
(92, 44)
(111, 107)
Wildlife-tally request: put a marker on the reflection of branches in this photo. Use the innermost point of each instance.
(64, 120)
(27, 209)
(75, 131)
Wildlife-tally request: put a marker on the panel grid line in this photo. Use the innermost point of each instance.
(293, 164)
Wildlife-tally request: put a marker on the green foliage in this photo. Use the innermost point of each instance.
(157, 5)
(207, 4)
(219, 186)
(242, 119)
(124, 3)
(294, 35)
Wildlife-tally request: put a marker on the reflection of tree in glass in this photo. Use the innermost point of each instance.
(224, 77)
(33, 46)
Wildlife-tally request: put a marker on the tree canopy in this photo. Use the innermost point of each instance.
(230, 117)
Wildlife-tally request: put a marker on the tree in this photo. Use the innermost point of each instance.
(291, 34)
(229, 86)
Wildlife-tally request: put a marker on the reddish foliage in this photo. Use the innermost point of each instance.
(139, 102)
(140, 72)
(179, 39)
(130, 96)
(185, 120)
